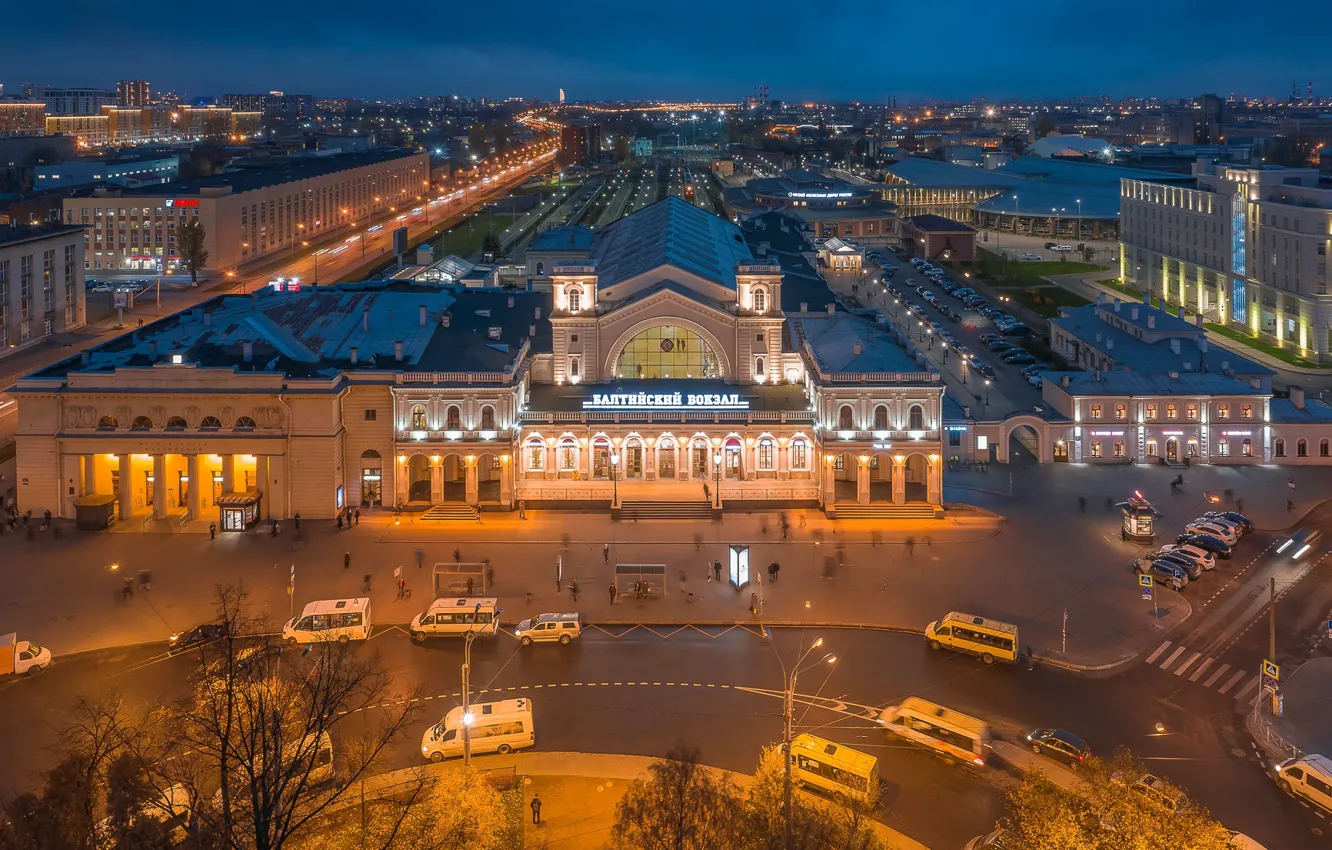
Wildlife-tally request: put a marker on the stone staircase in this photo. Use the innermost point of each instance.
(887, 512)
(449, 513)
(699, 510)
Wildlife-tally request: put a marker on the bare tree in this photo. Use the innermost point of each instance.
(253, 741)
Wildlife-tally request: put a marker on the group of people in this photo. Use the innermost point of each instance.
(347, 517)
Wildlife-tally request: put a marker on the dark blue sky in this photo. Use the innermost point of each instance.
(675, 49)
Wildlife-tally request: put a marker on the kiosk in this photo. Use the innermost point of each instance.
(739, 573)
(1139, 519)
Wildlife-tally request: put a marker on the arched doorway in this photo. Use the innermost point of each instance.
(666, 457)
(1172, 450)
(845, 467)
(881, 477)
(455, 478)
(734, 459)
(1024, 445)
(667, 351)
(488, 478)
(418, 479)
(917, 474)
(372, 479)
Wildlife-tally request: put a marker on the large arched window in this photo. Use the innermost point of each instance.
(418, 417)
(108, 423)
(760, 300)
(666, 351)
(881, 418)
(916, 418)
(1095, 448)
(142, 423)
(846, 420)
(799, 454)
(210, 422)
(575, 298)
(453, 418)
(176, 423)
(245, 422)
(487, 418)
(1301, 447)
(1279, 447)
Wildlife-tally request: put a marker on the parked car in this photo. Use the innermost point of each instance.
(1018, 356)
(1209, 542)
(1060, 745)
(1035, 380)
(1231, 516)
(987, 338)
(1190, 566)
(201, 634)
(1017, 329)
(986, 370)
(1167, 573)
(1202, 526)
(1030, 257)
(999, 345)
(1202, 556)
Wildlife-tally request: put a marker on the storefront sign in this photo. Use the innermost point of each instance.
(1172, 433)
(640, 401)
(182, 202)
(1107, 433)
(1236, 433)
(818, 194)
(881, 447)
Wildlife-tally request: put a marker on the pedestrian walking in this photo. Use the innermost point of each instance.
(490, 575)
(365, 583)
(273, 529)
(786, 525)
(296, 518)
(1239, 505)
(357, 515)
(402, 585)
(573, 589)
(212, 531)
(776, 570)
(46, 519)
(1082, 504)
(346, 561)
(339, 522)
(536, 809)
(605, 553)
(420, 558)
(126, 588)
(707, 493)
(457, 556)
(612, 593)
(772, 572)
(716, 570)
(469, 585)
(911, 545)
(522, 509)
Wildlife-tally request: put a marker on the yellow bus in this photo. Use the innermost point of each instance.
(840, 771)
(951, 734)
(990, 639)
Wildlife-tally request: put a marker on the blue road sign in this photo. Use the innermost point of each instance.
(1271, 674)
(1145, 583)
(1329, 629)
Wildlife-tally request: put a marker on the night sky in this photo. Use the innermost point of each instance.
(679, 49)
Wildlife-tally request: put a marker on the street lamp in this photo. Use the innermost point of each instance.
(717, 462)
(987, 395)
(929, 334)
(467, 693)
(788, 705)
(615, 483)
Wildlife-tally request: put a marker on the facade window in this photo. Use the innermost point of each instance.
(1279, 447)
(371, 414)
(536, 457)
(800, 454)
(1246, 411)
(1223, 411)
(1223, 447)
(1095, 448)
(1151, 448)
(845, 418)
(1301, 448)
(573, 369)
(1151, 411)
(916, 418)
(453, 418)
(1323, 447)
(487, 418)
(568, 456)
(141, 423)
(759, 371)
(765, 455)
(1095, 411)
(575, 299)
(1119, 448)
(1172, 411)
(245, 422)
(1191, 412)
(667, 351)
(176, 423)
(1121, 412)
(1246, 448)
(881, 418)
(418, 417)
(210, 422)
(760, 300)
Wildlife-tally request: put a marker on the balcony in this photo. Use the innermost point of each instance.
(471, 436)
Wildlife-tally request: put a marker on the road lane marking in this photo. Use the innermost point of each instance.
(1179, 671)
(1179, 650)
(1220, 671)
(1239, 674)
(1160, 649)
(1207, 662)
(1248, 686)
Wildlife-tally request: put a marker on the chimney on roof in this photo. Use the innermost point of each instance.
(1109, 345)
(537, 313)
(247, 351)
(1225, 365)
(1179, 311)
(152, 349)
(1297, 396)
(445, 319)
(365, 319)
(493, 332)
(423, 315)
(1174, 345)
(831, 309)
(1151, 321)
(804, 306)
(856, 348)
(1134, 314)
(1098, 336)
(1117, 305)
(510, 302)
(85, 358)
(1198, 320)
(397, 351)
(531, 330)
(1065, 381)
(1098, 375)
(1100, 298)
(1202, 344)
(355, 355)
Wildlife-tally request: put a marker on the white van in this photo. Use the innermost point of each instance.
(1309, 777)
(496, 727)
(456, 616)
(330, 619)
(951, 734)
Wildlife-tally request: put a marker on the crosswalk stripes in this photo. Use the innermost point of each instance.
(1223, 678)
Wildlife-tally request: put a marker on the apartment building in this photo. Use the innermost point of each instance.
(41, 283)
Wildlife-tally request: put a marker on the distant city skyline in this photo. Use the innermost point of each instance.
(596, 50)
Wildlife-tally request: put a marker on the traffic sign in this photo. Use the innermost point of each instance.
(1145, 583)
(1271, 675)
(1329, 629)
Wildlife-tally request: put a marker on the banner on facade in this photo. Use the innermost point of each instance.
(679, 401)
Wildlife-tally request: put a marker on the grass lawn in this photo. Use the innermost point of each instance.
(1285, 355)
(1028, 273)
(1045, 300)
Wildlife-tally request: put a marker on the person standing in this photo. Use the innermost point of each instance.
(346, 561)
(573, 590)
(296, 518)
(212, 531)
(612, 593)
(339, 522)
(716, 570)
(469, 585)
(402, 586)
(776, 570)
(357, 515)
(605, 553)
(536, 810)
(522, 509)
(365, 586)
(420, 558)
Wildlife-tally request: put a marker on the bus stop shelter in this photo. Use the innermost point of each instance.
(451, 579)
(651, 577)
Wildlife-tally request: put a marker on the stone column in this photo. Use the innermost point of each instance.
(783, 460)
(828, 489)
(262, 485)
(437, 481)
(228, 473)
(159, 487)
(399, 481)
(472, 490)
(863, 480)
(126, 494)
(650, 460)
(934, 472)
(89, 475)
(506, 480)
(196, 481)
(899, 481)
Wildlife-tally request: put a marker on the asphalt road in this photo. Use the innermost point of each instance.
(642, 693)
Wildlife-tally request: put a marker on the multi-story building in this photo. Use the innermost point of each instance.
(1247, 249)
(88, 131)
(247, 215)
(77, 101)
(133, 93)
(580, 143)
(668, 363)
(126, 125)
(829, 205)
(41, 283)
(129, 173)
(22, 117)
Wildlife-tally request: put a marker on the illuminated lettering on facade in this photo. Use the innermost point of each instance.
(699, 401)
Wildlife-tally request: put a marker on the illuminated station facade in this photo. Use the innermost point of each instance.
(668, 364)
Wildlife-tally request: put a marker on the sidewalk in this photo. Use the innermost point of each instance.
(571, 816)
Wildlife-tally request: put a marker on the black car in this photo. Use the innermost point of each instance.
(1231, 516)
(987, 371)
(206, 633)
(1215, 545)
(1060, 745)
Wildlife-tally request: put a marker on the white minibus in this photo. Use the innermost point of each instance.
(951, 734)
(456, 616)
(330, 619)
(496, 727)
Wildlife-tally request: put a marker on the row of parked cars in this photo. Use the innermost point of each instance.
(1212, 535)
(99, 285)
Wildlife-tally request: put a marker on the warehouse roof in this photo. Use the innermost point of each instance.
(287, 170)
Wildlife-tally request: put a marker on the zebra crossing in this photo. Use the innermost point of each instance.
(1220, 677)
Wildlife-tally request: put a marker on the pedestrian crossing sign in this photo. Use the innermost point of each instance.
(1271, 675)
(1145, 583)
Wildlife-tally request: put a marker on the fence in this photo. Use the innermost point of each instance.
(1265, 734)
